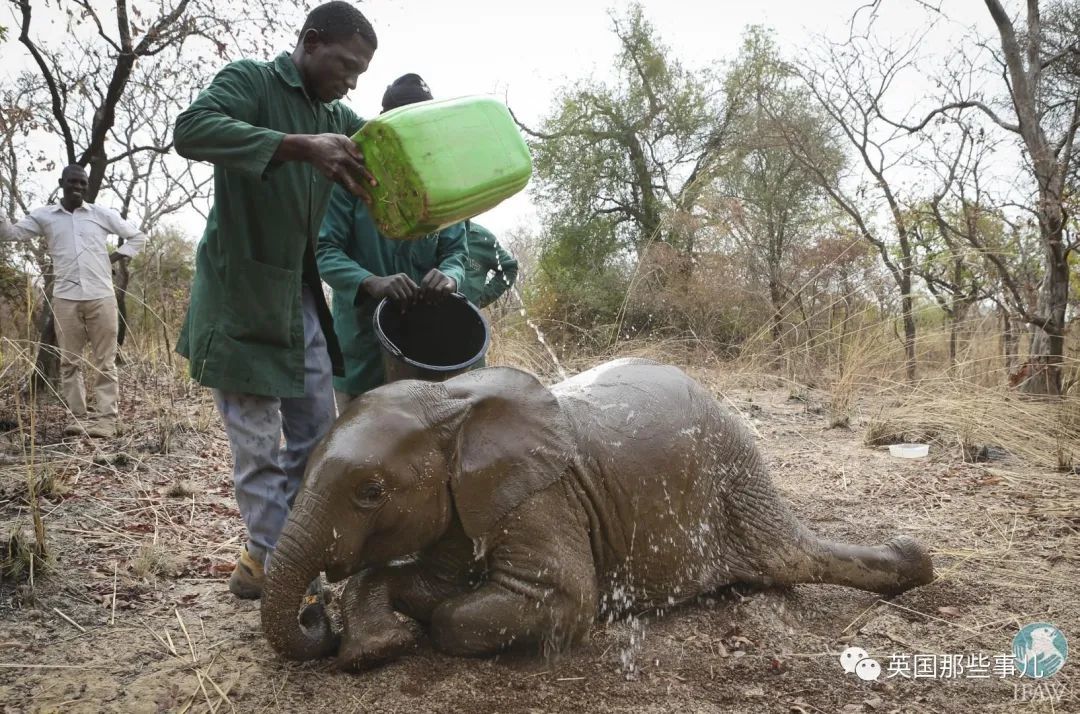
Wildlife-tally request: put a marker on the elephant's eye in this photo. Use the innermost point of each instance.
(370, 493)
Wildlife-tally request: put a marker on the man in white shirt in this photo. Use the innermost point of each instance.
(83, 300)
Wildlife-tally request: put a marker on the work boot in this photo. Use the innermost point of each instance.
(102, 429)
(247, 577)
(75, 428)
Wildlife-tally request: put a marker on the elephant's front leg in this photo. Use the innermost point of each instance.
(372, 631)
(541, 590)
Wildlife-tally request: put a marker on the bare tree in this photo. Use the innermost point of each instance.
(774, 205)
(108, 91)
(851, 81)
(947, 229)
(1038, 70)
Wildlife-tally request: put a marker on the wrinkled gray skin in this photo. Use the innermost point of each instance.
(528, 511)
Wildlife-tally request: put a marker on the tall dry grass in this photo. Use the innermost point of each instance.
(33, 449)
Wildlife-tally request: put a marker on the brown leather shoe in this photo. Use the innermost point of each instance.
(247, 577)
(74, 429)
(102, 429)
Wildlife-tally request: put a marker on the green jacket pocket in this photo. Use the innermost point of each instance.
(262, 300)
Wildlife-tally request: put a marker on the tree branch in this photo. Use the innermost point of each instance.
(97, 21)
(50, 80)
(135, 150)
(966, 104)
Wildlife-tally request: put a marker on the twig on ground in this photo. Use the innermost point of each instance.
(81, 628)
(112, 620)
(184, 628)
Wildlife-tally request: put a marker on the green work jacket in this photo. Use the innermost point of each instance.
(244, 329)
(491, 271)
(352, 249)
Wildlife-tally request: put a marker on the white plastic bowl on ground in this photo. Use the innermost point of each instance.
(909, 451)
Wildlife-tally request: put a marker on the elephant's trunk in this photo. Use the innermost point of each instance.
(297, 560)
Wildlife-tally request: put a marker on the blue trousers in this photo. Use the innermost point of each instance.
(266, 472)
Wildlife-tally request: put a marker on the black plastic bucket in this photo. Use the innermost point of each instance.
(430, 341)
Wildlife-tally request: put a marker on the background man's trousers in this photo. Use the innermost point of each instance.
(79, 322)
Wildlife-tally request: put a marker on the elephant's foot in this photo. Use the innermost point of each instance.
(900, 564)
(374, 646)
(914, 566)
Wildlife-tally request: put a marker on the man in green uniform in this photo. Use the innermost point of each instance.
(363, 267)
(258, 331)
(491, 270)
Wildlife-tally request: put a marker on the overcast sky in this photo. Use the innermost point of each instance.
(523, 52)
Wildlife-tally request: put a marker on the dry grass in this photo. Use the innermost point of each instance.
(955, 413)
(151, 560)
(18, 554)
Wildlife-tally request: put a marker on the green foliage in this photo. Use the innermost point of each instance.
(773, 204)
(160, 280)
(579, 279)
(614, 159)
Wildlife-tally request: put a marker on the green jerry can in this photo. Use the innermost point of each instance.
(440, 162)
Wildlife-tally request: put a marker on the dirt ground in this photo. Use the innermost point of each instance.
(132, 613)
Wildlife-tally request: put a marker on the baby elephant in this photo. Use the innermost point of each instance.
(503, 513)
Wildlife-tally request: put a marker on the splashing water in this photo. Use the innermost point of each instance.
(539, 333)
(628, 655)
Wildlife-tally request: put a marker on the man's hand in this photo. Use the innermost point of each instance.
(399, 287)
(436, 285)
(340, 160)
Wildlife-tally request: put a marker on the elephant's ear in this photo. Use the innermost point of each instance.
(512, 440)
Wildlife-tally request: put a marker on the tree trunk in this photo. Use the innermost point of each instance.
(952, 342)
(1009, 341)
(957, 316)
(1047, 351)
(907, 314)
(47, 360)
(777, 318)
(120, 284)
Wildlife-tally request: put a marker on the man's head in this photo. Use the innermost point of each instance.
(73, 183)
(335, 47)
(406, 89)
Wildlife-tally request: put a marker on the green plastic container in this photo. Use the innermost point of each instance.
(440, 162)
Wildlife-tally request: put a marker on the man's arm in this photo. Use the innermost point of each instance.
(25, 229)
(506, 272)
(219, 127)
(340, 271)
(453, 253)
(134, 239)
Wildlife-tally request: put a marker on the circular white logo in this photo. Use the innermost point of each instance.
(1040, 650)
(851, 657)
(868, 669)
